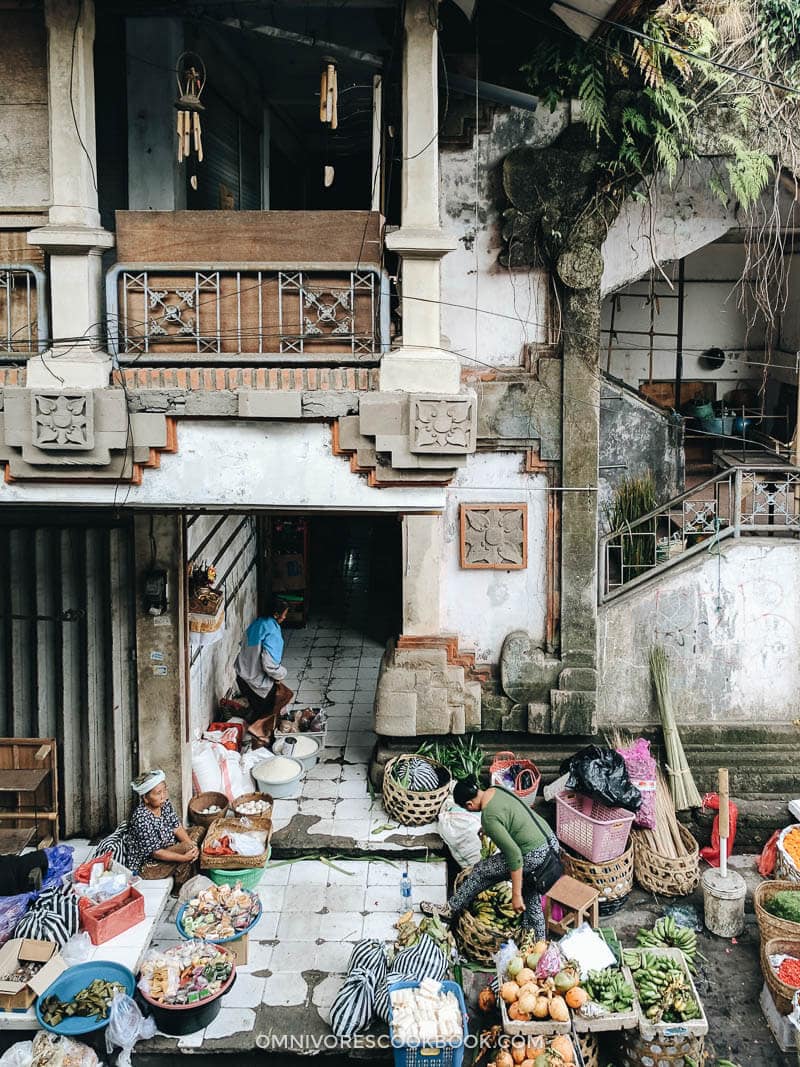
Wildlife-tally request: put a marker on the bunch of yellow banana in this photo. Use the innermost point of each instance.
(493, 907)
(407, 931)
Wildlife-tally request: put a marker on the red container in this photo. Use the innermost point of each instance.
(592, 829)
(113, 917)
(239, 727)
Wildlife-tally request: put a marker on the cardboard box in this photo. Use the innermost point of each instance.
(239, 949)
(288, 572)
(18, 996)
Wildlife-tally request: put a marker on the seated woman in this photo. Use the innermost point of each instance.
(152, 843)
(260, 674)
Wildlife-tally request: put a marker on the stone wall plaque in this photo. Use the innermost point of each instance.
(494, 537)
(62, 420)
(443, 425)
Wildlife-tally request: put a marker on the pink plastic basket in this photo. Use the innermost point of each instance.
(592, 829)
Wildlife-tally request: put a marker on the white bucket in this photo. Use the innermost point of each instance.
(723, 900)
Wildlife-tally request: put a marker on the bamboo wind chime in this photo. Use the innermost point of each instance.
(329, 107)
(190, 73)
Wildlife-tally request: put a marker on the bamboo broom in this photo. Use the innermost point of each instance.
(684, 791)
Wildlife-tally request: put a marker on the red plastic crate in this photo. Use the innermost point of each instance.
(113, 917)
(591, 828)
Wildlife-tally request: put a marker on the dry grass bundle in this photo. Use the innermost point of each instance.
(684, 791)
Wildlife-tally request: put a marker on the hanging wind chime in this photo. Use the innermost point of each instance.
(190, 73)
(329, 108)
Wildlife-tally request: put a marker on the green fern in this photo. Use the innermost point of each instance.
(592, 95)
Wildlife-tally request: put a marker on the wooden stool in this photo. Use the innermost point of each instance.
(579, 902)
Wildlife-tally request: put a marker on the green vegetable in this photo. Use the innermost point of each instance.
(461, 757)
(785, 905)
(609, 989)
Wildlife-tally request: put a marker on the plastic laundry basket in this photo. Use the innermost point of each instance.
(438, 1054)
(591, 828)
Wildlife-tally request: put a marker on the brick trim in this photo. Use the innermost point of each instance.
(455, 657)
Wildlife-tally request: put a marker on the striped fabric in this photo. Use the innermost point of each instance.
(418, 775)
(354, 1006)
(53, 916)
(423, 960)
(114, 843)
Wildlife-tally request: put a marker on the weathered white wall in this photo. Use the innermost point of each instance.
(211, 672)
(483, 606)
(730, 624)
(24, 116)
(712, 318)
(237, 464)
(679, 218)
(512, 305)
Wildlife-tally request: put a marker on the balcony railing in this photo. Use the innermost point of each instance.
(246, 312)
(23, 310)
(739, 501)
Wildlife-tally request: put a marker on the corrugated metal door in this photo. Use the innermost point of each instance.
(231, 161)
(67, 666)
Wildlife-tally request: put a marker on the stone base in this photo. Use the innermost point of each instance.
(420, 692)
(55, 371)
(420, 372)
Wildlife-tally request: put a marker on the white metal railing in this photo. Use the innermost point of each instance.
(764, 500)
(23, 310)
(174, 313)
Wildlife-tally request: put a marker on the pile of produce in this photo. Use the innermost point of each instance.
(212, 809)
(535, 1051)
(188, 973)
(609, 989)
(785, 905)
(667, 934)
(409, 932)
(541, 985)
(791, 846)
(254, 807)
(220, 911)
(426, 1014)
(309, 720)
(663, 987)
(94, 1000)
(789, 972)
(493, 908)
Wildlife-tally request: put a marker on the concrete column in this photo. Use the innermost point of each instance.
(161, 657)
(423, 543)
(420, 364)
(73, 237)
(155, 181)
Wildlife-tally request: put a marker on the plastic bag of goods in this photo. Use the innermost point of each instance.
(459, 830)
(51, 1050)
(235, 781)
(126, 1026)
(206, 771)
(12, 909)
(19, 1055)
(642, 771)
(601, 773)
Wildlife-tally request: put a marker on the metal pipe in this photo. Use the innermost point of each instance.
(498, 94)
(679, 337)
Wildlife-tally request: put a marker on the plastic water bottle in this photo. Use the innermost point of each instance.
(405, 891)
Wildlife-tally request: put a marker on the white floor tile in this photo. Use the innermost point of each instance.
(385, 873)
(292, 956)
(192, 1040)
(322, 828)
(266, 928)
(247, 991)
(342, 926)
(230, 1021)
(308, 872)
(284, 811)
(319, 790)
(322, 808)
(299, 926)
(259, 955)
(430, 873)
(383, 898)
(436, 894)
(355, 808)
(345, 897)
(353, 774)
(330, 772)
(357, 829)
(285, 989)
(325, 993)
(310, 900)
(380, 925)
(272, 897)
(275, 875)
(348, 872)
(337, 737)
(356, 790)
(332, 957)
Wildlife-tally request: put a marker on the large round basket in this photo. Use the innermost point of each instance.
(667, 877)
(410, 807)
(781, 992)
(637, 1051)
(613, 879)
(770, 925)
(263, 822)
(207, 800)
(477, 940)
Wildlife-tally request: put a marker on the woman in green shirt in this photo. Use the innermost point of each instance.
(529, 855)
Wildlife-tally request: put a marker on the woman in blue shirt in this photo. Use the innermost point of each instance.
(260, 673)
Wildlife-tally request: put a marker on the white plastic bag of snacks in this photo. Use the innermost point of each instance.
(126, 1026)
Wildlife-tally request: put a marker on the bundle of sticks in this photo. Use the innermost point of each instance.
(666, 839)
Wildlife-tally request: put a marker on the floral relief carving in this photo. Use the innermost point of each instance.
(494, 536)
(443, 424)
(62, 421)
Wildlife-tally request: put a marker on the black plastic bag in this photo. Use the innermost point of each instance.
(601, 773)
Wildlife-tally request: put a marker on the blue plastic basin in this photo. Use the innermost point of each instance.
(213, 941)
(71, 982)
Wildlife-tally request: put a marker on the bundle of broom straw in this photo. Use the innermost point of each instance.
(665, 840)
(684, 791)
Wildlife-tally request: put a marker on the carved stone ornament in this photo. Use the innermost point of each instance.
(443, 424)
(62, 421)
(494, 536)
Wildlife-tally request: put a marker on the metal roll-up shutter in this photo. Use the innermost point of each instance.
(231, 160)
(67, 665)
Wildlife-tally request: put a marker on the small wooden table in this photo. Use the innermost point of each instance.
(579, 903)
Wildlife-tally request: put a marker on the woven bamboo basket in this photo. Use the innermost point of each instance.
(613, 879)
(263, 822)
(781, 992)
(477, 940)
(409, 807)
(667, 877)
(590, 1049)
(664, 1051)
(207, 800)
(784, 871)
(230, 863)
(771, 926)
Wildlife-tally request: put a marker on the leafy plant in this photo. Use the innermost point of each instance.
(636, 542)
(462, 756)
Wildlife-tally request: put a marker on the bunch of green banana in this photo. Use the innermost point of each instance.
(609, 989)
(667, 934)
(493, 907)
(664, 990)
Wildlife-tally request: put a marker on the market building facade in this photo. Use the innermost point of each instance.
(316, 325)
